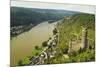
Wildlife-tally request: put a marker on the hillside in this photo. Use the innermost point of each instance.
(70, 31)
(23, 16)
(73, 26)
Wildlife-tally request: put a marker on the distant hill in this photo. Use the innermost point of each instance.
(24, 16)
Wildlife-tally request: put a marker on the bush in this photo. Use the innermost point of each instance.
(44, 44)
(65, 51)
(24, 62)
(37, 47)
(54, 31)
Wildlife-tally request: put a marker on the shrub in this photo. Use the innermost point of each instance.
(44, 44)
(37, 47)
(54, 31)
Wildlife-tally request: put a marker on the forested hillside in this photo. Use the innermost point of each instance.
(24, 16)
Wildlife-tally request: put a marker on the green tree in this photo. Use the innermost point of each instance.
(44, 44)
(54, 31)
(37, 47)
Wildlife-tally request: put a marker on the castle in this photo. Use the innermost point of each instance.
(77, 44)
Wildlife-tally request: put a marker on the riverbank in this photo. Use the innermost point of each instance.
(17, 30)
(26, 41)
(43, 53)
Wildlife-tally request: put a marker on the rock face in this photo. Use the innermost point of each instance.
(84, 38)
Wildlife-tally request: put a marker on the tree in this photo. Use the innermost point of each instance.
(44, 44)
(36, 47)
(54, 31)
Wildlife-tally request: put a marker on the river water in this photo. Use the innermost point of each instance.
(22, 45)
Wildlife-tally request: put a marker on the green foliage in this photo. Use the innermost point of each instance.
(26, 61)
(24, 16)
(36, 47)
(44, 44)
(54, 31)
(23, 62)
(36, 52)
(72, 29)
(88, 55)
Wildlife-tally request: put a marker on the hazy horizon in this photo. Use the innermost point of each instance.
(42, 5)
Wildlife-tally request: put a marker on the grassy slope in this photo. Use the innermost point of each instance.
(72, 27)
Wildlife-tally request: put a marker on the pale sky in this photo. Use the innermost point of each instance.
(93, 2)
(47, 5)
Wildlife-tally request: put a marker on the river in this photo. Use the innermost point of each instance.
(23, 44)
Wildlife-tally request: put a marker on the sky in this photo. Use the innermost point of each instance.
(50, 5)
(66, 1)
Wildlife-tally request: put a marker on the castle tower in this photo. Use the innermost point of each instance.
(84, 38)
(70, 47)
